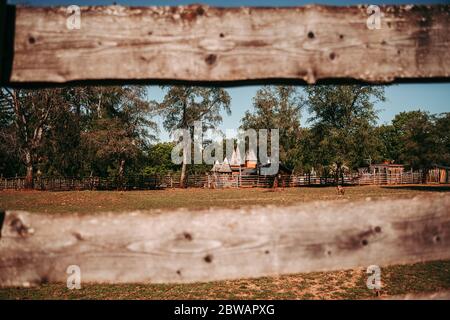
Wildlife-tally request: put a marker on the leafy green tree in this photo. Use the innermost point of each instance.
(389, 148)
(62, 153)
(343, 119)
(183, 105)
(119, 126)
(278, 107)
(302, 157)
(63, 131)
(32, 111)
(159, 159)
(442, 138)
(9, 159)
(416, 139)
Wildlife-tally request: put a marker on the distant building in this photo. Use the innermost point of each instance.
(223, 167)
(250, 165)
(439, 174)
(251, 161)
(384, 173)
(386, 168)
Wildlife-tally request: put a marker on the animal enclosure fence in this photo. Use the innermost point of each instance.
(213, 181)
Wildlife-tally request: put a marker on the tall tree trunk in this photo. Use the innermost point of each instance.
(338, 173)
(183, 173)
(184, 165)
(121, 172)
(121, 168)
(30, 171)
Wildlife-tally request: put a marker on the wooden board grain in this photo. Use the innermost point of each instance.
(188, 246)
(202, 43)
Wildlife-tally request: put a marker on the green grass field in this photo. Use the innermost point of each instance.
(349, 284)
(99, 201)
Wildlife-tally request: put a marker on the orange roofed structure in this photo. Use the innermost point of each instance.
(236, 166)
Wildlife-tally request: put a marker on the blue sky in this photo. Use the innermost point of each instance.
(434, 98)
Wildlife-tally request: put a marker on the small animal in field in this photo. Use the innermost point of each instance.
(340, 190)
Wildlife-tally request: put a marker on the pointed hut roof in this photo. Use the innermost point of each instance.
(216, 166)
(236, 158)
(250, 156)
(224, 168)
(221, 167)
(233, 158)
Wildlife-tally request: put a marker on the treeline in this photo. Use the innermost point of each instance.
(77, 131)
(111, 131)
(342, 132)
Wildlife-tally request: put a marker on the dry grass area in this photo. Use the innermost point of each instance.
(350, 284)
(97, 201)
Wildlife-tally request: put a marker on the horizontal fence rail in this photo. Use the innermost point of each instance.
(188, 246)
(202, 43)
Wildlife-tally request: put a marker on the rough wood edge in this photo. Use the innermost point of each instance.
(189, 246)
(193, 10)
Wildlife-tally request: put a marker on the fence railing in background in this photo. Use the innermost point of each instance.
(380, 179)
(149, 182)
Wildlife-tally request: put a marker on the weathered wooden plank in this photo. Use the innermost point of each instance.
(186, 246)
(202, 43)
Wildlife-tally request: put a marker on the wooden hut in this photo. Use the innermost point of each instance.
(439, 174)
(387, 172)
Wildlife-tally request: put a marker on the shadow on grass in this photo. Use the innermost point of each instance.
(435, 188)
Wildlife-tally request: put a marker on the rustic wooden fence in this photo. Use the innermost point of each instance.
(383, 179)
(150, 182)
(201, 43)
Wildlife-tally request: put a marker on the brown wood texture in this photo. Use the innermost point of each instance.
(201, 43)
(188, 246)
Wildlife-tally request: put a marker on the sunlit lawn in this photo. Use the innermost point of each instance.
(97, 201)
